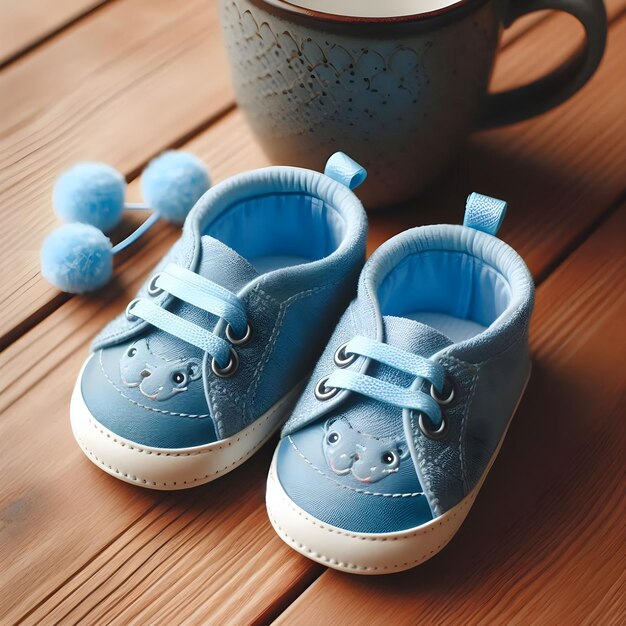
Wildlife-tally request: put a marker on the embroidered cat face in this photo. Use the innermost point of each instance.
(157, 378)
(368, 458)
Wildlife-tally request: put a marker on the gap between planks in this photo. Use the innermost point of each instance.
(28, 24)
(57, 298)
(593, 165)
(29, 299)
(117, 98)
(161, 552)
(543, 543)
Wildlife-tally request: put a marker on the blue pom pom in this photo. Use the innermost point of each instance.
(90, 193)
(172, 183)
(77, 258)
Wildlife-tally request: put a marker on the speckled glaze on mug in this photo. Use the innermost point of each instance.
(398, 95)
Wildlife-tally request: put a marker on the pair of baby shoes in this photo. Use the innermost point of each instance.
(385, 445)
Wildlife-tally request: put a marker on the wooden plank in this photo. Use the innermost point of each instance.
(124, 42)
(135, 78)
(42, 134)
(33, 165)
(52, 352)
(544, 543)
(523, 25)
(97, 520)
(227, 147)
(593, 160)
(527, 22)
(26, 23)
(560, 169)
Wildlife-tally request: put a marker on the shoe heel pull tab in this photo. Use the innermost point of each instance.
(344, 170)
(484, 213)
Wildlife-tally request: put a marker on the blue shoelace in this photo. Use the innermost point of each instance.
(200, 292)
(413, 364)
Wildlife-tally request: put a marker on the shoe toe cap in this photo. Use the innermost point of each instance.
(147, 412)
(340, 495)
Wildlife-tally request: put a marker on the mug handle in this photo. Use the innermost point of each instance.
(549, 91)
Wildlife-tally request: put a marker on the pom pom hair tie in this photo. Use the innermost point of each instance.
(78, 257)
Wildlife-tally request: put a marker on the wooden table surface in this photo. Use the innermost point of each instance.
(122, 80)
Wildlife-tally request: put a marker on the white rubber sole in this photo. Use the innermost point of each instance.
(175, 468)
(365, 553)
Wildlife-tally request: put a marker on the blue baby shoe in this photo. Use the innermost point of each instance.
(390, 442)
(209, 358)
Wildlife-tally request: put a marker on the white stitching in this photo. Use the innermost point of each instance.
(145, 481)
(283, 308)
(348, 488)
(456, 366)
(140, 450)
(143, 406)
(424, 531)
(267, 351)
(424, 479)
(387, 438)
(468, 404)
(354, 566)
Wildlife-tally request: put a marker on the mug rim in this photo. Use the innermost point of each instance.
(284, 8)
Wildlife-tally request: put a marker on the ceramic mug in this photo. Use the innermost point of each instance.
(398, 91)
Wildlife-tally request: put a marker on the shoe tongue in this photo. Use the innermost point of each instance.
(413, 336)
(223, 265)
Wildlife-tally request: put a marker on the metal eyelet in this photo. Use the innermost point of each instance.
(436, 434)
(152, 288)
(238, 341)
(438, 399)
(325, 393)
(342, 359)
(129, 316)
(230, 369)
